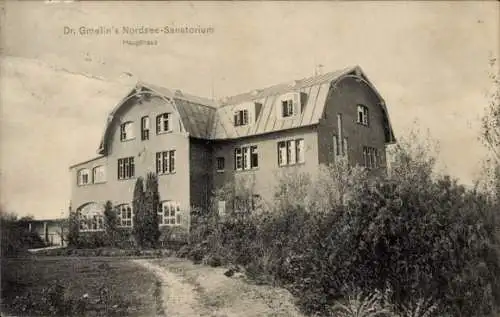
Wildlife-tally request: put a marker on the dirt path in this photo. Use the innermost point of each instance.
(201, 291)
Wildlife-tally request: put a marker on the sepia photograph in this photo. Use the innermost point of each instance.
(247, 159)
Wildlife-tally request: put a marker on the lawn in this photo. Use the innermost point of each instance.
(77, 286)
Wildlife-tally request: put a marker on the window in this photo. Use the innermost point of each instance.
(362, 115)
(247, 203)
(220, 164)
(240, 118)
(287, 108)
(163, 123)
(246, 157)
(99, 174)
(169, 213)
(126, 168)
(370, 157)
(291, 152)
(340, 146)
(238, 159)
(91, 218)
(145, 128)
(165, 162)
(126, 131)
(83, 177)
(124, 215)
(254, 156)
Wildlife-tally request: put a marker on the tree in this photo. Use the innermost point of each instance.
(490, 133)
(73, 228)
(151, 205)
(139, 214)
(110, 222)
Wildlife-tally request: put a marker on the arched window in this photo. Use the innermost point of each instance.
(91, 217)
(169, 213)
(124, 213)
(83, 176)
(127, 131)
(99, 174)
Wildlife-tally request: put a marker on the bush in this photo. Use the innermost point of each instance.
(433, 241)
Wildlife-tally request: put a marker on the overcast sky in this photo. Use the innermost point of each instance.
(429, 60)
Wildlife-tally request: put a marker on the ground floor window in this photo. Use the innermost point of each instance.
(291, 152)
(124, 215)
(91, 217)
(370, 157)
(169, 213)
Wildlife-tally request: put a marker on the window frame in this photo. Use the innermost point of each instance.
(94, 178)
(128, 221)
(362, 116)
(291, 148)
(287, 108)
(167, 220)
(371, 158)
(145, 128)
(80, 174)
(165, 162)
(220, 164)
(126, 168)
(244, 159)
(162, 120)
(123, 131)
(240, 117)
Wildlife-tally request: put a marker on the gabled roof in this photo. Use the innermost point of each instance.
(213, 120)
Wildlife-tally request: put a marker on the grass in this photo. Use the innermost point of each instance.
(91, 286)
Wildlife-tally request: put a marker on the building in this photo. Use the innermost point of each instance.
(196, 145)
(53, 232)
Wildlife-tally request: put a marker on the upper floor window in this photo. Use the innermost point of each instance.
(287, 108)
(291, 152)
(126, 131)
(240, 117)
(370, 157)
(99, 174)
(246, 157)
(124, 215)
(169, 213)
(220, 164)
(83, 177)
(165, 162)
(163, 123)
(145, 128)
(126, 168)
(362, 115)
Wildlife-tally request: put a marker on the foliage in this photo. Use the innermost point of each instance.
(15, 237)
(110, 223)
(138, 203)
(490, 136)
(361, 306)
(150, 223)
(423, 234)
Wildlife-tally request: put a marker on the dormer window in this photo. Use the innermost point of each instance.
(240, 118)
(291, 104)
(163, 123)
(362, 115)
(287, 108)
(126, 131)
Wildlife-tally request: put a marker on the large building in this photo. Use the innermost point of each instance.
(197, 145)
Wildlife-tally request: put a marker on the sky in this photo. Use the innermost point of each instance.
(429, 60)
